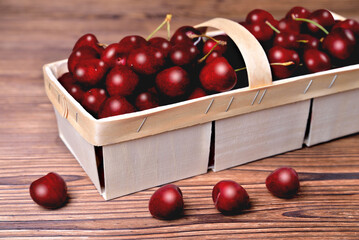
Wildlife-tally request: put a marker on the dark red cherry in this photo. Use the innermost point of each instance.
(146, 60)
(93, 100)
(197, 93)
(132, 42)
(173, 82)
(212, 56)
(218, 75)
(261, 31)
(146, 100)
(121, 80)
(340, 43)
(161, 44)
(259, 16)
(116, 105)
(76, 92)
(324, 18)
(209, 44)
(298, 12)
(289, 25)
(286, 40)
(307, 41)
(183, 54)
(88, 40)
(350, 24)
(66, 80)
(316, 61)
(283, 182)
(181, 36)
(280, 55)
(115, 55)
(90, 71)
(81, 53)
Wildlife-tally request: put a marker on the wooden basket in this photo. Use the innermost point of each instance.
(168, 143)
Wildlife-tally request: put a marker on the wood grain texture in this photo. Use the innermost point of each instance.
(37, 32)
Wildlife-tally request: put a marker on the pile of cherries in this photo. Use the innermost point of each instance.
(307, 41)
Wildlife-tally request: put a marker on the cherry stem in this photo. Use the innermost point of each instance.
(303, 41)
(102, 45)
(220, 42)
(272, 27)
(167, 20)
(312, 22)
(272, 64)
(205, 56)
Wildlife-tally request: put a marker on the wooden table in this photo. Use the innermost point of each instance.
(37, 32)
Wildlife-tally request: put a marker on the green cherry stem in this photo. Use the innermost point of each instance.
(312, 22)
(272, 27)
(205, 56)
(285, 64)
(302, 41)
(166, 21)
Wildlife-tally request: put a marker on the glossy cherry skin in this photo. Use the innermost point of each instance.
(93, 100)
(146, 100)
(316, 61)
(173, 82)
(229, 197)
(324, 18)
(121, 80)
(282, 55)
(197, 93)
(283, 182)
(289, 25)
(218, 75)
(181, 36)
(76, 92)
(183, 54)
(90, 71)
(350, 24)
(312, 42)
(89, 40)
(298, 12)
(146, 60)
(49, 191)
(286, 40)
(166, 202)
(81, 53)
(340, 43)
(66, 80)
(261, 31)
(116, 105)
(161, 44)
(209, 44)
(212, 56)
(132, 42)
(115, 55)
(259, 16)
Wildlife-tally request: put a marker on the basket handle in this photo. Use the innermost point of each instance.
(258, 68)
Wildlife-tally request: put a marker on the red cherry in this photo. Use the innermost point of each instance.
(340, 43)
(289, 25)
(197, 93)
(121, 80)
(146, 60)
(209, 44)
(181, 36)
(166, 202)
(316, 61)
(76, 92)
(90, 71)
(161, 44)
(286, 40)
(309, 41)
(229, 197)
(88, 40)
(132, 42)
(283, 182)
(93, 100)
(81, 53)
(298, 12)
(114, 106)
(324, 18)
(259, 16)
(66, 80)
(218, 75)
(183, 54)
(49, 191)
(350, 24)
(261, 31)
(281, 55)
(115, 55)
(146, 100)
(213, 56)
(173, 82)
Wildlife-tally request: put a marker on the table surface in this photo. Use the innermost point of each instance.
(37, 32)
